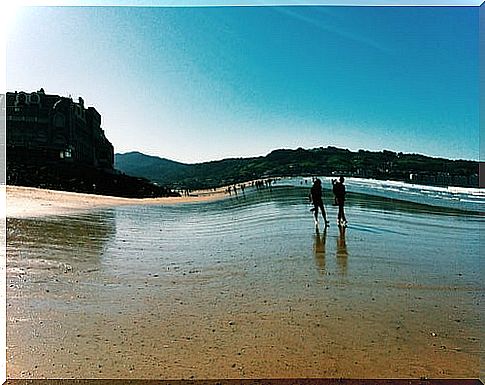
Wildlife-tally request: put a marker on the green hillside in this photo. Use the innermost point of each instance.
(318, 161)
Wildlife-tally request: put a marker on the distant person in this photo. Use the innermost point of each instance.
(316, 198)
(339, 192)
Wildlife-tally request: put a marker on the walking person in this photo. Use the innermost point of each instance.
(339, 192)
(316, 198)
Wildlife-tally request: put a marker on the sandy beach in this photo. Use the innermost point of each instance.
(22, 202)
(102, 287)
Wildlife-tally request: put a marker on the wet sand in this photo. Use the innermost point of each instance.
(23, 202)
(238, 288)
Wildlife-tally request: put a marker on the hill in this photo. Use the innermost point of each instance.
(138, 164)
(328, 161)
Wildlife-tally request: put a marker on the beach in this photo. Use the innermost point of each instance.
(24, 202)
(221, 286)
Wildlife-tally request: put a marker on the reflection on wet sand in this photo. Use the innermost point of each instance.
(59, 241)
(319, 249)
(342, 253)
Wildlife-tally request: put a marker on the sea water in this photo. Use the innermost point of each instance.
(461, 198)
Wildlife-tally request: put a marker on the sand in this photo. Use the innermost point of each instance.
(29, 202)
(74, 310)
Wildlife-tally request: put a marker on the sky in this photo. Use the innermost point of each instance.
(195, 84)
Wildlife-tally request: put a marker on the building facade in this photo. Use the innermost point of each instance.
(51, 128)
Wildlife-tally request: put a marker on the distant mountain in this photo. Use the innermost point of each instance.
(150, 167)
(284, 162)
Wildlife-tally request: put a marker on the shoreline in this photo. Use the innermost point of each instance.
(27, 202)
(159, 294)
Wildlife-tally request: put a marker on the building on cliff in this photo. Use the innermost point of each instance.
(45, 129)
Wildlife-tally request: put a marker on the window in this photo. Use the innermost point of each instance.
(59, 120)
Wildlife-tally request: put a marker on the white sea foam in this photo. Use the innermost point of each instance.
(464, 198)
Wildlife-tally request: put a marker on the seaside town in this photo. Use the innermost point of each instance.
(62, 246)
(243, 195)
(58, 143)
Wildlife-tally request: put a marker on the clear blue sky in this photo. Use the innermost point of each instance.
(204, 83)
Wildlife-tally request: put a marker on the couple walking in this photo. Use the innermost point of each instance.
(316, 198)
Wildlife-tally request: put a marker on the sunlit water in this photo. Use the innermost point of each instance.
(395, 257)
(274, 228)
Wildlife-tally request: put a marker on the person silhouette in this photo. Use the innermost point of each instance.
(315, 197)
(339, 192)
